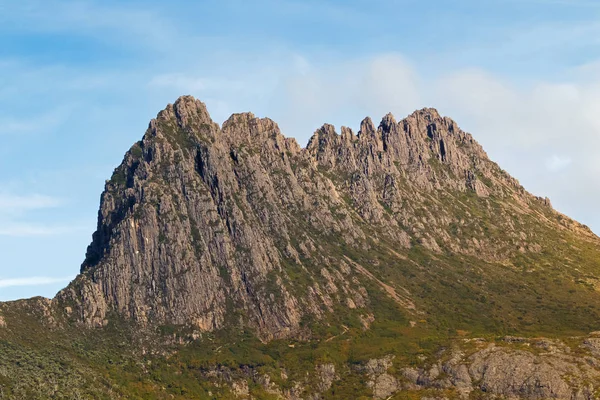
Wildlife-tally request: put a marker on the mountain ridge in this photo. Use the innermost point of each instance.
(395, 262)
(247, 172)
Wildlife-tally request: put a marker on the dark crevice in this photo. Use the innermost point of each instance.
(442, 150)
(131, 173)
(233, 154)
(431, 130)
(149, 154)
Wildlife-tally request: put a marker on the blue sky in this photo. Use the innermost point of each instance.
(79, 81)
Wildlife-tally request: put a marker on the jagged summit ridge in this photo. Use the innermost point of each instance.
(237, 225)
(401, 139)
(191, 113)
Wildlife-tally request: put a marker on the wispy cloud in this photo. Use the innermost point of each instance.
(32, 230)
(14, 208)
(34, 124)
(12, 203)
(33, 281)
(130, 24)
(317, 10)
(82, 15)
(557, 163)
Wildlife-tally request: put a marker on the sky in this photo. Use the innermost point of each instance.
(80, 80)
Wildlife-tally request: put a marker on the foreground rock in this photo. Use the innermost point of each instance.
(547, 370)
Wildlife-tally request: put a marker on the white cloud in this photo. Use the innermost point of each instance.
(14, 208)
(534, 132)
(342, 92)
(557, 163)
(34, 124)
(18, 229)
(12, 203)
(33, 281)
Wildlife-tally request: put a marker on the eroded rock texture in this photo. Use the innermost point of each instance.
(238, 226)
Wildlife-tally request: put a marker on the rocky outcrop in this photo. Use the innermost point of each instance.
(327, 376)
(553, 373)
(380, 381)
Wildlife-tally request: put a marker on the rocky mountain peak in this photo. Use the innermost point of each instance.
(368, 133)
(187, 111)
(367, 128)
(211, 226)
(388, 122)
(246, 128)
(427, 113)
(347, 135)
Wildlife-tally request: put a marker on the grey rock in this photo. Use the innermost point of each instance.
(327, 375)
(199, 218)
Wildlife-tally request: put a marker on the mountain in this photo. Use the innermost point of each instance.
(395, 262)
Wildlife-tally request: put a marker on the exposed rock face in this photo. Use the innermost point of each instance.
(519, 373)
(327, 376)
(512, 373)
(380, 381)
(196, 226)
(213, 226)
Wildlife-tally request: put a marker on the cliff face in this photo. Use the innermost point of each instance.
(238, 226)
(199, 223)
